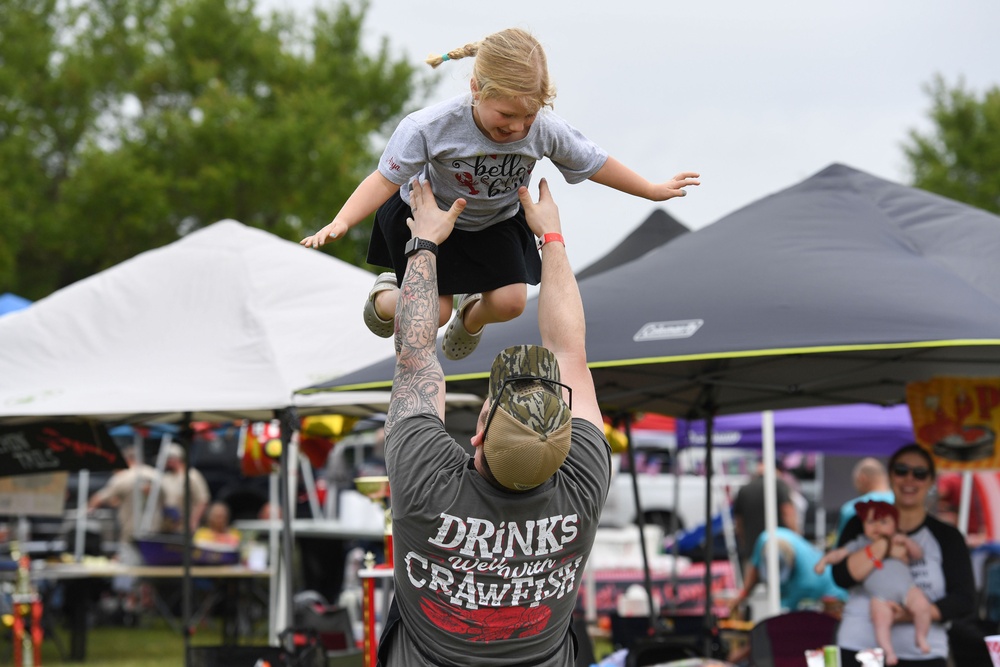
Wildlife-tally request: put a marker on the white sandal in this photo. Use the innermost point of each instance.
(378, 326)
(458, 343)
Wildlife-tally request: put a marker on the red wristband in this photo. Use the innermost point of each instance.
(549, 238)
(871, 556)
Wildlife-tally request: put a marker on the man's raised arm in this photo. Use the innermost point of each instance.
(418, 383)
(560, 307)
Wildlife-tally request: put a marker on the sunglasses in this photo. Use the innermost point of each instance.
(552, 384)
(920, 473)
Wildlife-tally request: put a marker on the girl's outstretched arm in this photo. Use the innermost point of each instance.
(616, 175)
(374, 191)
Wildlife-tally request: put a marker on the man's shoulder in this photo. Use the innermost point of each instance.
(409, 436)
(410, 425)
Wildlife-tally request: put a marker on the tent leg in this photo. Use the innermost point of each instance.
(709, 622)
(640, 520)
(186, 438)
(289, 425)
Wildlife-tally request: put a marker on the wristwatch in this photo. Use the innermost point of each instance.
(417, 243)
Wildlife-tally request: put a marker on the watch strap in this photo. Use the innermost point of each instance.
(416, 244)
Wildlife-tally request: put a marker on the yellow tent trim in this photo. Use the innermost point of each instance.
(736, 354)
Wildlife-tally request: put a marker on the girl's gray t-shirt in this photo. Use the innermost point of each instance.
(483, 576)
(443, 144)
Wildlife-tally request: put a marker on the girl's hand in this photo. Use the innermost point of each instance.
(333, 231)
(675, 188)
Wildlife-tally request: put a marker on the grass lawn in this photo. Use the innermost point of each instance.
(123, 647)
(154, 644)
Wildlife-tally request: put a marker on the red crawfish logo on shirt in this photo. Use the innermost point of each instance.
(499, 173)
(488, 624)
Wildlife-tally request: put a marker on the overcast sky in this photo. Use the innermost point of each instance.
(756, 96)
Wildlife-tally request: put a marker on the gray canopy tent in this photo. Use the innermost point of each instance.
(840, 289)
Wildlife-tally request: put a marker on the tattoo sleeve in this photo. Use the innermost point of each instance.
(418, 384)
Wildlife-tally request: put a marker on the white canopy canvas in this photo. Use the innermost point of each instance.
(227, 322)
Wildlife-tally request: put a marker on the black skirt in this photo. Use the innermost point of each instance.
(468, 262)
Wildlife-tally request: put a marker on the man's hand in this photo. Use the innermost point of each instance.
(543, 217)
(429, 222)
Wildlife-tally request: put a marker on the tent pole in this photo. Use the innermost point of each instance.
(770, 513)
(82, 493)
(289, 424)
(821, 510)
(675, 547)
(965, 503)
(186, 438)
(640, 520)
(710, 628)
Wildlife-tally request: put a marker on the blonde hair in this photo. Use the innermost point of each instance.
(510, 64)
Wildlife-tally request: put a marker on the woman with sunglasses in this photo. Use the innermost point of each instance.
(944, 574)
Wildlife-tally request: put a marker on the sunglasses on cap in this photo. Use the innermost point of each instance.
(552, 385)
(920, 473)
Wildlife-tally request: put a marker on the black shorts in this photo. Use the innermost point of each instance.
(468, 262)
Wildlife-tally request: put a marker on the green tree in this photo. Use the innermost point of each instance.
(960, 157)
(125, 124)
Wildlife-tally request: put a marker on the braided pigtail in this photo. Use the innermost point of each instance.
(462, 52)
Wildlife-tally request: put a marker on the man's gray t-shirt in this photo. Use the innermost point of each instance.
(443, 144)
(481, 573)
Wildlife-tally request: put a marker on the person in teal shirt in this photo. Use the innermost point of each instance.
(872, 482)
(800, 585)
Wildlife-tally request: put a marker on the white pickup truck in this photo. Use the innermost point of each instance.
(661, 498)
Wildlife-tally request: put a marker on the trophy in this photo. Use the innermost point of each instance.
(376, 488)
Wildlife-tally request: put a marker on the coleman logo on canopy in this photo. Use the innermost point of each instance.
(667, 330)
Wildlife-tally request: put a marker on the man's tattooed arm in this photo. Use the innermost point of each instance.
(418, 385)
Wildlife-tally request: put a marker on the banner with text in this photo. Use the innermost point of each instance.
(957, 420)
(50, 446)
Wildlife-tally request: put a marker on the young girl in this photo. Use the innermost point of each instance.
(479, 148)
(890, 581)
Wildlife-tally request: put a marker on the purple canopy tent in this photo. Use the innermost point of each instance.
(850, 430)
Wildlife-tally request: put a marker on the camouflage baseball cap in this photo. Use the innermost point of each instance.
(529, 426)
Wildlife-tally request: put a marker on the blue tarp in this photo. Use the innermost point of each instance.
(11, 302)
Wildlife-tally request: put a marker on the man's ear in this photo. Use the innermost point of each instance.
(477, 439)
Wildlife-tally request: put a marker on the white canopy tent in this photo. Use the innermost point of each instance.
(226, 321)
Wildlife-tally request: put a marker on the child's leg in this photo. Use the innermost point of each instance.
(499, 305)
(385, 306)
(385, 303)
(920, 608)
(881, 612)
(475, 312)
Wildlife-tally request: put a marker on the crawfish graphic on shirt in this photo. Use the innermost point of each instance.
(489, 581)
